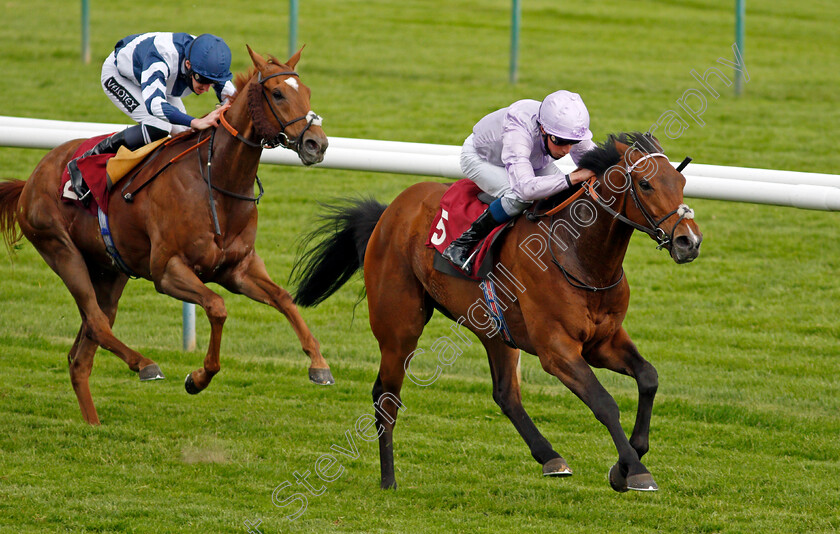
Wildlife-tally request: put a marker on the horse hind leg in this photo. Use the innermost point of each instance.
(108, 288)
(397, 315)
(80, 363)
(503, 369)
(387, 402)
(67, 261)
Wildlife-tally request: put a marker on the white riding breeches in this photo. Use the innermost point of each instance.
(493, 179)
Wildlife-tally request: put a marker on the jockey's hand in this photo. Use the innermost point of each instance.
(580, 175)
(209, 120)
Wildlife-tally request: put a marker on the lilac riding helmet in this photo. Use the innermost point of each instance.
(564, 114)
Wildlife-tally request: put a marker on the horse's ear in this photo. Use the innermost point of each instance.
(295, 58)
(258, 60)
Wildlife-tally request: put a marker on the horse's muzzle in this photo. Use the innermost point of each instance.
(312, 148)
(685, 248)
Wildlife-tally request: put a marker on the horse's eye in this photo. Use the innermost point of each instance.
(277, 94)
(644, 185)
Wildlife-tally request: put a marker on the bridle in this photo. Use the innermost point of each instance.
(281, 138)
(653, 228)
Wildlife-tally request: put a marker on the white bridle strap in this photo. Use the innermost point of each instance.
(643, 158)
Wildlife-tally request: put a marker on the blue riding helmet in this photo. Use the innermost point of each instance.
(210, 57)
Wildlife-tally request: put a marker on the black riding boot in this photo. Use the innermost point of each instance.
(458, 252)
(109, 145)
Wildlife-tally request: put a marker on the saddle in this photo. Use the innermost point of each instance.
(101, 171)
(127, 160)
(462, 203)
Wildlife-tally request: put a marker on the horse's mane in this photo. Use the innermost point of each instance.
(605, 155)
(242, 78)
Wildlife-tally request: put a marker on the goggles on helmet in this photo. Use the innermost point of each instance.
(559, 141)
(202, 79)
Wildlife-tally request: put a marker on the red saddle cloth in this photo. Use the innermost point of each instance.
(93, 171)
(459, 208)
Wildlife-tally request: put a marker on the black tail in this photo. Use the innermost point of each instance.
(325, 267)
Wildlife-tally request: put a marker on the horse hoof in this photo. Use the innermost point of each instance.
(556, 467)
(617, 480)
(392, 485)
(641, 482)
(322, 377)
(189, 385)
(151, 372)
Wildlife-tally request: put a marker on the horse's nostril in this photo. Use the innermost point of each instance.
(682, 242)
(312, 146)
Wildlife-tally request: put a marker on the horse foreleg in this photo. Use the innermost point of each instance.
(177, 280)
(621, 356)
(252, 280)
(80, 363)
(567, 364)
(503, 368)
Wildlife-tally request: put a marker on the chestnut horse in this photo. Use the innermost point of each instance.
(171, 233)
(565, 296)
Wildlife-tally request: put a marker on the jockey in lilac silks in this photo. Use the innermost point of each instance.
(510, 155)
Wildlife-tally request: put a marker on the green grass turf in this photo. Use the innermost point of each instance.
(745, 427)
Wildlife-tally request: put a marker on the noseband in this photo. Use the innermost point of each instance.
(281, 138)
(653, 228)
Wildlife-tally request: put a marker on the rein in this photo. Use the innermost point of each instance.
(128, 196)
(211, 187)
(235, 133)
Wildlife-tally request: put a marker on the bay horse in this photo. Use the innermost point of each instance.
(565, 300)
(171, 233)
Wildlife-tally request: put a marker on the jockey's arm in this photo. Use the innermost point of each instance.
(581, 175)
(517, 144)
(209, 120)
(153, 86)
